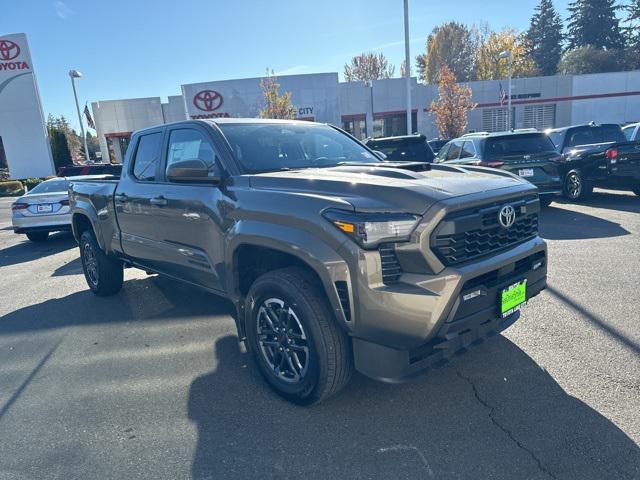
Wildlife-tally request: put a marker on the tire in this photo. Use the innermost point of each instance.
(576, 187)
(103, 274)
(545, 201)
(290, 298)
(38, 236)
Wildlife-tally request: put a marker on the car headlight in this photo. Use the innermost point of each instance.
(371, 229)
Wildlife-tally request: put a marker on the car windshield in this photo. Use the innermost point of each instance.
(52, 186)
(264, 147)
(500, 147)
(404, 151)
(592, 135)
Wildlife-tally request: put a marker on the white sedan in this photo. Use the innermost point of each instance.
(42, 210)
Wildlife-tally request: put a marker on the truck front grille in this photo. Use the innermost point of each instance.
(472, 233)
(391, 269)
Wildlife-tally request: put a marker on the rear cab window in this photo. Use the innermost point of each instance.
(404, 150)
(454, 151)
(147, 157)
(588, 135)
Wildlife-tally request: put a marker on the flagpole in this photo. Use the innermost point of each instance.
(76, 74)
(407, 65)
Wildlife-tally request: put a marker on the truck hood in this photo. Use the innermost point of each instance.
(387, 189)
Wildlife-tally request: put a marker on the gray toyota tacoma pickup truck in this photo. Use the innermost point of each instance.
(334, 259)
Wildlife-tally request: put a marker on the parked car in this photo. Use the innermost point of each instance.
(332, 257)
(90, 169)
(43, 209)
(597, 156)
(528, 154)
(632, 132)
(413, 148)
(436, 144)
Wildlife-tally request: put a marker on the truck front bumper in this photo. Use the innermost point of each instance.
(421, 322)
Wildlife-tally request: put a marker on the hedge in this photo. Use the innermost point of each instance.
(29, 183)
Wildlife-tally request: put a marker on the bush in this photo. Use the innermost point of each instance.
(29, 183)
(11, 188)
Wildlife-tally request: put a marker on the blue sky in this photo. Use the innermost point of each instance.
(143, 48)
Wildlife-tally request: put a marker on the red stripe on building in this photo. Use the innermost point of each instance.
(561, 99)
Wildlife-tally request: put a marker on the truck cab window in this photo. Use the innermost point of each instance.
(147, 157)
(189, 144)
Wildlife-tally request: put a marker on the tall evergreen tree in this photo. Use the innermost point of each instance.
(545, 37)
(631, 28)
(594, 22)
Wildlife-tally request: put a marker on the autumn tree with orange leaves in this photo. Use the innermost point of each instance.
(454, 102)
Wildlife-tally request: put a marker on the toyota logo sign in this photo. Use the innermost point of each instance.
(8, 50)
(207, 100)
(507, 216)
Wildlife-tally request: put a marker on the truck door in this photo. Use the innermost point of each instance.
(192, 225)
(137, 215)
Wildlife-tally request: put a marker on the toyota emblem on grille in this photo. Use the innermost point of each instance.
(507, 216)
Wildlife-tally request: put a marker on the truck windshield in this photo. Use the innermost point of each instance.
(264, 147)
(515, 145)
(592, 135)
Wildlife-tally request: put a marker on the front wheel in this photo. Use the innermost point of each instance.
(576, 187)
(104, 275)
(295, 340)
(37, 236)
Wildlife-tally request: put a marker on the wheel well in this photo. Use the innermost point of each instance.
(251, 261)
(81, 224)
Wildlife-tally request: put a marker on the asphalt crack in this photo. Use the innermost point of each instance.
(504, 429)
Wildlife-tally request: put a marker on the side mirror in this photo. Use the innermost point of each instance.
(380, 155)
(191, 171)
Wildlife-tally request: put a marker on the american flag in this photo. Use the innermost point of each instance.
(89, 118)
(503, 95)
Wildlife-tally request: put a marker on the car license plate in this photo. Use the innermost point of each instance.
(525, 172)
(44, 208)
(513, 297)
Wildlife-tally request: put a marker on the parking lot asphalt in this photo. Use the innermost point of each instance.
(152, 383)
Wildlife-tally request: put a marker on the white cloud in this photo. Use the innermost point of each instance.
(62, 10)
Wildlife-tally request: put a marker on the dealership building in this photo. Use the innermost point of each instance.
(379, 109)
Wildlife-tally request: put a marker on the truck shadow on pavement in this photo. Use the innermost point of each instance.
(28, 251)
(561, 224)
(492, 413)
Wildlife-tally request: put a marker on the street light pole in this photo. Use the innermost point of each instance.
(76, 74)
(407, 65)
(509, 55)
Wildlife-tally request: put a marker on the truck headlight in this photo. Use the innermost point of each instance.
(371, 229)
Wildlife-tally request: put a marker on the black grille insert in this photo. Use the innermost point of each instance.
(343, 295)
(391, 269)
(472, 233)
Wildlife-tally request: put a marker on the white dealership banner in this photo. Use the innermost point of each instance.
(23, 134)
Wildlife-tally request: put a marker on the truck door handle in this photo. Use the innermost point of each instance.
(121, 198)
(159, 201)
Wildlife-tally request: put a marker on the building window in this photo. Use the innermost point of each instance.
(355, 125)
(495, 119)
(3, 157)
(391, 125)
(540, 116)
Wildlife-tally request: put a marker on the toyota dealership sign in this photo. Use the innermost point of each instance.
(22, 130)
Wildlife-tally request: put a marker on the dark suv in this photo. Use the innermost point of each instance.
(530, 155)
(413, 148)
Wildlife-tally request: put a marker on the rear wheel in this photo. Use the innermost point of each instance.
(576, 187)
(104, 275)
(296, 342)
(38, 236)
